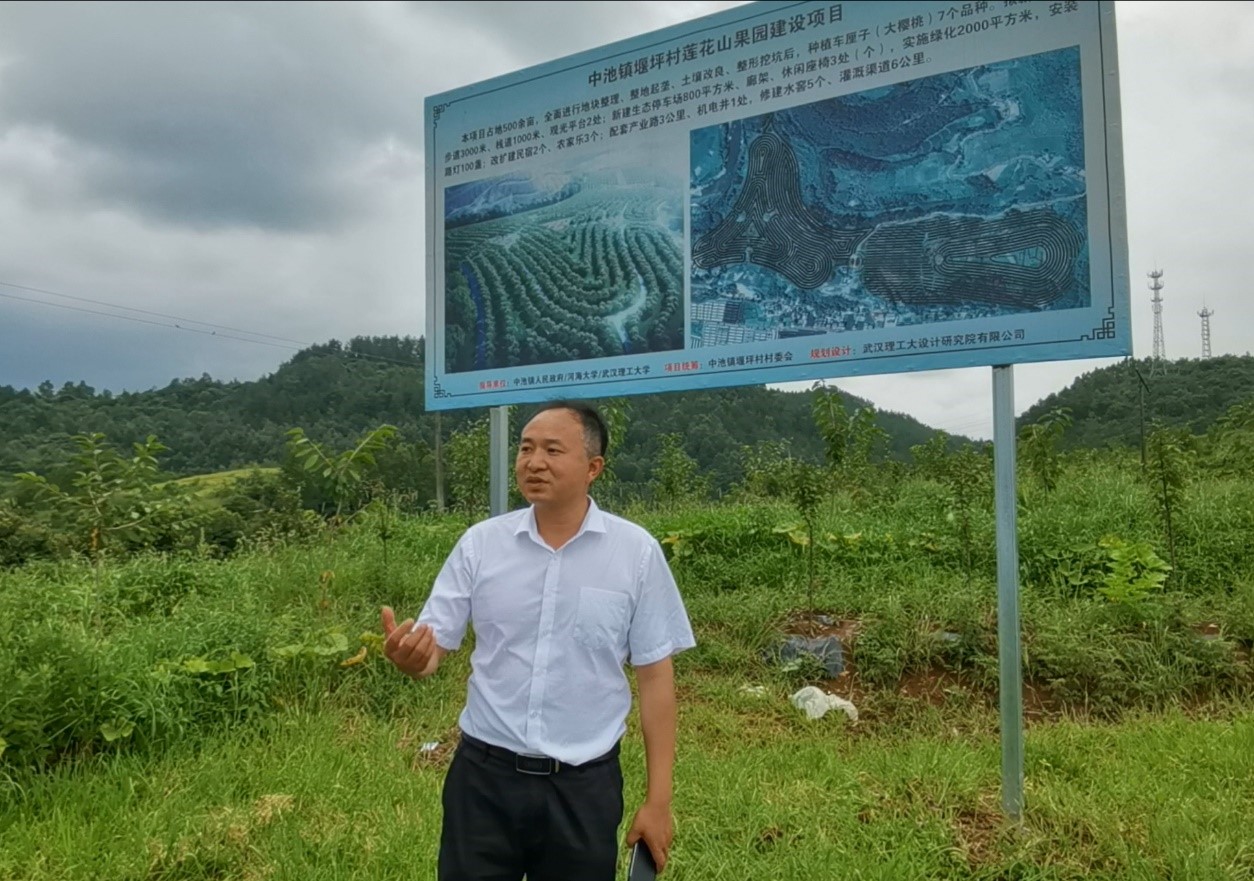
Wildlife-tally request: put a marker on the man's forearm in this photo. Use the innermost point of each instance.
(658, 719)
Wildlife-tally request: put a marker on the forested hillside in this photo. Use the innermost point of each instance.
(336, 392)
(1107, 405)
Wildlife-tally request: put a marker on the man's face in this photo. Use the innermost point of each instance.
(553, 467)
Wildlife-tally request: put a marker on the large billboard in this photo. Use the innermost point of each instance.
(783, 191)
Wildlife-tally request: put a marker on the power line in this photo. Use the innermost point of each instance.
(298, 345)
(34, 290)
(142, 320)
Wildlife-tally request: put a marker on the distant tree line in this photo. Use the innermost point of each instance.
(336, 392)
(1117, 405)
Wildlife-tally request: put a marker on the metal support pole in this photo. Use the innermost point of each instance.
(1009, 654)
(498, 453)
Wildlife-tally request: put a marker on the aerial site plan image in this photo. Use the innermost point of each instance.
(955, 196)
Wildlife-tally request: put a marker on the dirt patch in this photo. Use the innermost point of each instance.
(816, 625)
(938, 688)
(957, 692)
(977, 829)
(933, 687)
(1040, 705)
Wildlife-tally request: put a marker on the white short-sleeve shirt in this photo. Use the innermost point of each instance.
(553, 629)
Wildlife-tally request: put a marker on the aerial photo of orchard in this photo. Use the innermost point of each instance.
(543, 267)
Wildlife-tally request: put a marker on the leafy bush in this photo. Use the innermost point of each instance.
(23, 538)
(221, 609)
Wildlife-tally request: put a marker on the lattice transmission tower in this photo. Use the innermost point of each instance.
(1205, 315)
(1156, 285)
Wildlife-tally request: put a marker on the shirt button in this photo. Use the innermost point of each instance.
(535, 714)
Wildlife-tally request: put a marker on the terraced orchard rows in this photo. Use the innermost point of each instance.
(597, 283)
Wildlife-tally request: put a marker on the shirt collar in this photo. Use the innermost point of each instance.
(593, 521)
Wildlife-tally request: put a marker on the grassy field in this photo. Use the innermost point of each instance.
(336, 794)
(191, 718)
(205, 484)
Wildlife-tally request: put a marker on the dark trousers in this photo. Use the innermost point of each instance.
(501, 823)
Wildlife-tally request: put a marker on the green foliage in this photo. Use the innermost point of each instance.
(232, 663)
(834, 426)
(1134, 571)
(22, 537)
(1105, 404)
(168, 648)
(405, 470)
(467, 453)
(260, 510)
(617, 415)
(1231, 442)
(335, 391)
(344, 475)
(383, 516)
(1169, 464)
(172, 642)
(805, 491)
(851, 438)
(112, 499)
(725, 549)
(765, 467)
(966, 476)
(1118, 570)
(867, 438)
(331, 643)
(676, 478)
(1155, 797)
(1038, 447)
(930, 458)
(1213, 534)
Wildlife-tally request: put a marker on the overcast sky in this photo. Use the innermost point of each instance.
(259, 167)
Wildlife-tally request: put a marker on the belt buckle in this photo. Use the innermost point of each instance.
(537, 766)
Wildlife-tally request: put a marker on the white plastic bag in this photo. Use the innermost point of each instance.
(816, 703)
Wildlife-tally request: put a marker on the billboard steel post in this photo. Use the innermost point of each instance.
(1010, 661)
(498, 453)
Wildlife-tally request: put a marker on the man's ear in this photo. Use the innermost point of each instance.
(595, 466)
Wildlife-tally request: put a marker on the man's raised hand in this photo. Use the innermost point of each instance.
(413, 651)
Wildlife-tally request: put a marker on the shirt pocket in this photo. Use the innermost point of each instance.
(601, 619)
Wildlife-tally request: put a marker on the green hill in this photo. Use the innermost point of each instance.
(336, 392)
(1106, 404)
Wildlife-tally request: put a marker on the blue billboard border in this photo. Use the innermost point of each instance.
(1111, 337)
(550, 68)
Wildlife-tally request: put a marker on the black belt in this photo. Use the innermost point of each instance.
(538, 765)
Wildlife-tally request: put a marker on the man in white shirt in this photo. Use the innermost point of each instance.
(561, 596)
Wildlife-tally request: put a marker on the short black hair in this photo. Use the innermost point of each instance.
(595, 435)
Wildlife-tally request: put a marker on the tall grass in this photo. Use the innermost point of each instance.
(186, 717)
